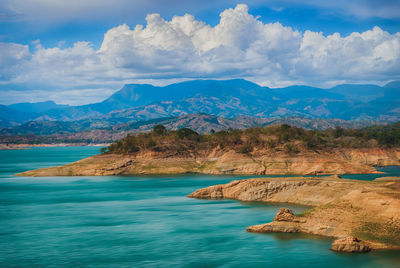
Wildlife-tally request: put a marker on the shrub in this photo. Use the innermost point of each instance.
(338, 132)
(271, 143)
(187, 133)
(151, 143)
(186, 140)
(291, 148)
(160, 130)
(245, 148)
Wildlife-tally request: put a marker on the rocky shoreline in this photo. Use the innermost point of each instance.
(220, 161)
(360, 215)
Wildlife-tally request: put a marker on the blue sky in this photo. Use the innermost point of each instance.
(81, 51)
(306, 15)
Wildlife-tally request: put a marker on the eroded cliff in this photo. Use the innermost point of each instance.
(365, 210)
(220, 161)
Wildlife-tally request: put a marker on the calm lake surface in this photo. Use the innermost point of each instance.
(121, 221)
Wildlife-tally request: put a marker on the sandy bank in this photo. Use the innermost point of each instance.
(339, 161)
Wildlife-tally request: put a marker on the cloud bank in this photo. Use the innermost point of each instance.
(240, 45)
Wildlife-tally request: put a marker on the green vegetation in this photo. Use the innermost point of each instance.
(291, 140)
(310, 211)
(160, 130)
(307, 212)
(388, 233)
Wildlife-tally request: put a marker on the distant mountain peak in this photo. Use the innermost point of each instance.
(36, 107)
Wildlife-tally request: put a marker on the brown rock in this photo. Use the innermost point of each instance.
(284, 214)
(221, 161)
(341, 207)
(297, 190)
(213, 192)
(389, 179)
(350, 244)
(274, 228)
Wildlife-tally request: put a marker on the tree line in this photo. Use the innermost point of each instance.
(289, 139)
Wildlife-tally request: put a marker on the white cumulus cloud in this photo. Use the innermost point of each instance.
(240, 45)
(11, 57)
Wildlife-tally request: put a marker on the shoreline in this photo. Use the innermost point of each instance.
(338, 161)
(361, 215)
(28, 146)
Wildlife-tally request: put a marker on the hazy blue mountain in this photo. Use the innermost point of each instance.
(36, 107)
(305, 92)
(301, 101)
(11, 117)
(134, 95)
(233, 98)
(363, 93)
(385, 107)
(42, 128)
(73, 113)
(392, 93)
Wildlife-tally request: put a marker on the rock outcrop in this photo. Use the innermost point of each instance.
(220, 161)
(367, 210)
(350, 244)
(299, 190)
(284, 214)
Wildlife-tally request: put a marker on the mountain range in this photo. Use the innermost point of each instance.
(232, 100)
(226, 98)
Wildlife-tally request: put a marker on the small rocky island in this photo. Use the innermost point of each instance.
(360, 215)
(280, 149)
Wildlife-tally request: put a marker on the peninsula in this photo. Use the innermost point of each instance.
(361, 215)
(280, 149)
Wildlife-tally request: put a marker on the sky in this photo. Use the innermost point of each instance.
(81, 51)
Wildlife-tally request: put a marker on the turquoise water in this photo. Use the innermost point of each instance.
(389, 171)
(145, 221)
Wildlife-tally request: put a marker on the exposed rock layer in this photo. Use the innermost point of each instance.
(388, 179)
(350, 244)
(367, 210)
(284, 214)
(218, 161)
